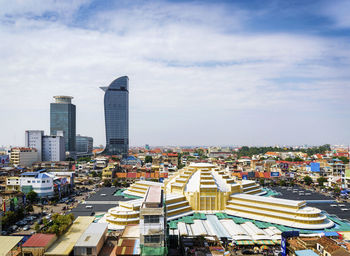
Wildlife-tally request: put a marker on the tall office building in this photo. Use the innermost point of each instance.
(50, 148)
(116, 105)
(34, 139)
(84, 144)
(62, 118)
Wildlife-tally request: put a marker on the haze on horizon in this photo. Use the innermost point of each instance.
(201, 72)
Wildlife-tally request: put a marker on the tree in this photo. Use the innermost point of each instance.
(32, 197)
(308, 180)
(29, 208)
(337, 190)
(148, 159)
(282, 183)
(321, 180)
(106, 183)
(344, 159)
(94, 174)
(37, 227)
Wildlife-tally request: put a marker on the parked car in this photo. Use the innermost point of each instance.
(26, 227)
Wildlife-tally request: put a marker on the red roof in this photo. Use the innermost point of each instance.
(39, 240)
(131, 175)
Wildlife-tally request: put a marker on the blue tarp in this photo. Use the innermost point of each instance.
(315, 167)
(305, 253)
(330, 233)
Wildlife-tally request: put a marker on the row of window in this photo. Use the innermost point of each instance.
(38, 181)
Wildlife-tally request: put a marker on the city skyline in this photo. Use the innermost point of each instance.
(210, 73)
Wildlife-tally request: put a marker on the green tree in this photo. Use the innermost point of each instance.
(282, 183)
(37, 227)
(148, 159)
(29, 208)
(321, 180)
(94, 174)
(107, 183)
(32, 197)
(344, 159)
(308, 180)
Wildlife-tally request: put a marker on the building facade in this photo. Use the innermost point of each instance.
(53, 148)
(34, 139)
(50, 148)
(23, 156)
(116, 106)
(41, 183)
(63, 118)
(84, 144)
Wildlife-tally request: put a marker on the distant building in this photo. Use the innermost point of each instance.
(13, 184)
(53, 148)
(84, 144)
(50, 148)
(23, 156)
(116, 105)
(34, 139)
(63, 118)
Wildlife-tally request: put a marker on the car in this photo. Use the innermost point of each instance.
(246, 251)
(26, 227)
(4, 233)
(21, 223)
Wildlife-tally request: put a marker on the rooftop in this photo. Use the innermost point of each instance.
(92, 235)
(8, 242)
(64, 245)
(39, 240)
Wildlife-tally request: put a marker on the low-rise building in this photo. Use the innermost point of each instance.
(92, 240)
(37, 244)
(24, 156)
(39, 182)
(10, 245)
(13, 184)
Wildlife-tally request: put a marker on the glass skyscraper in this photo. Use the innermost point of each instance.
(116, 104)
(63, 118)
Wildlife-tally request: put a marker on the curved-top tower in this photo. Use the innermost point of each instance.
(116, 105)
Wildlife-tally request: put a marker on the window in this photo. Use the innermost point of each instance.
(151, 218)
(152, 239)
(28, 181)
(43, 181)
(88, 251)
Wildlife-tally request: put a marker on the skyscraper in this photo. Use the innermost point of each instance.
(116, 105)
(62, 118)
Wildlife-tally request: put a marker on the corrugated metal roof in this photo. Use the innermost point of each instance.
(64, 245)
(8, 242)
(92, 235)
(39, 240)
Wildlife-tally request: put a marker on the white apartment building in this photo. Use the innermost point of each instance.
(39, 182)
(50, 147)
(34, 139)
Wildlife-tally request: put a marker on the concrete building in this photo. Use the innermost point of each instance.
(37, 244)
(152, 219)
(39, 182)
(92, 240)
(84, 144)
(24, 156)
(34, 139)
(64, 246)
(53, 148)
(50, 148)
(10, 245)
(63, 118)
(205, 188)
(116, 106)
(13, 184)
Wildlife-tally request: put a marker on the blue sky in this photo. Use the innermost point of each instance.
(201, 72)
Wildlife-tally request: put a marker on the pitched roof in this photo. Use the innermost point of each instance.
(39, 240)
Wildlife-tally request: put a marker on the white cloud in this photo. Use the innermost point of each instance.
(190, 83)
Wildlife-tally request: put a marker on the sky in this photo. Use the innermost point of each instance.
(200, 72)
